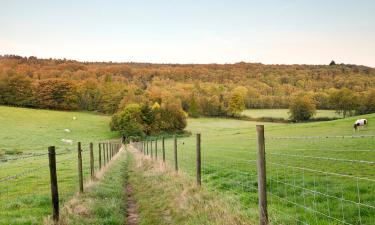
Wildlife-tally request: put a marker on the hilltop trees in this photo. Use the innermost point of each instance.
(202, 90)
(302, 108)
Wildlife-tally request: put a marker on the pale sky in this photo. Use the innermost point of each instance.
(194, 31)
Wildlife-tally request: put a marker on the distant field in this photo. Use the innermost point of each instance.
(304, 174)
(283, 113)
(34, 129)
(25, 199)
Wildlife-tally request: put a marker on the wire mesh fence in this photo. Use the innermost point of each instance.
(25, 188)
(309, 179)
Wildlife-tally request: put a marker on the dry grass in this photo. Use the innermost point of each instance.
(167, 197)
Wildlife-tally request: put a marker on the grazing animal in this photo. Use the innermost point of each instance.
(74, 118)
(67, 130)
(67, 141)
(360, 123)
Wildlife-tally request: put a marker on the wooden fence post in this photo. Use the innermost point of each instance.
(80, 174)
(156, 149)
(199, 160)
(163, 147)
(175, 153)
(54, 187)
(151, 148)
(100, 156)
(262, 192)
(92, 160)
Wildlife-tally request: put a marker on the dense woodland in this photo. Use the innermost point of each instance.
(209, 90)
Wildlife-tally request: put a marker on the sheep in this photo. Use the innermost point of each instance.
(67, 141)
(360, 122)
(67, 130)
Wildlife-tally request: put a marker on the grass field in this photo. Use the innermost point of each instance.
(283, 113)
(24, 177)
(320, 180)
(328, 179)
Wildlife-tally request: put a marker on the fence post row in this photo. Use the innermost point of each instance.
(262, 192)
(100, 156)
(175, 153)
(199, 182)
(54, 187)
(92, 160)
(80, 174)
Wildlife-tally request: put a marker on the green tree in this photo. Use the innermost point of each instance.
(128, 121)
(302, 108)
(344, 101)
(367, 103)
(193, 108)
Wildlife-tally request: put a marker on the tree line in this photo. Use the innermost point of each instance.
(200, 90)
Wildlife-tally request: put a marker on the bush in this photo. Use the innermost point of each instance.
(136, 120)
(128, 122)
(302, 108)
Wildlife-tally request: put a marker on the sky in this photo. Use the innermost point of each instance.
(194, 31)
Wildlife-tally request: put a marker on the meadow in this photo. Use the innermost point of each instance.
(24, 174)
(283, 113)
(317, 173)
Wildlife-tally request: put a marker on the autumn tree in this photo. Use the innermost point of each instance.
(302, 108)
(17, 90)
(236, 103)
(56, 93)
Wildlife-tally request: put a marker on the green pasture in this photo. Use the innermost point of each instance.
(283, 113)
(317, 173)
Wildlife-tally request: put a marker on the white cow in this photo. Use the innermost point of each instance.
(360, 122)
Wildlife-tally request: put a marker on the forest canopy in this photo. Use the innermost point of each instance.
(201, 89)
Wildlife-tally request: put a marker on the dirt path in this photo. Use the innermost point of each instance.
(132, 211)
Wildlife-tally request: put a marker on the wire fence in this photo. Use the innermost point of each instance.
(309, 180)
(25, 185)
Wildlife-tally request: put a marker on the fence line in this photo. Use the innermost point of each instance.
(12, 185)
(297, 194)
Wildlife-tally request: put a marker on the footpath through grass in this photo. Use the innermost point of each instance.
(164, 197)
(105, 201)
